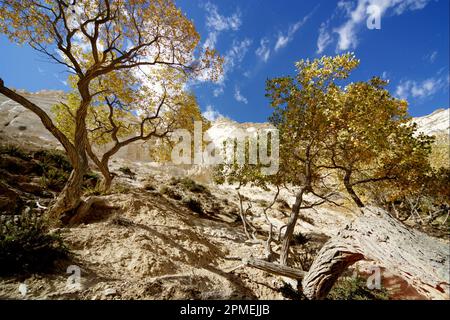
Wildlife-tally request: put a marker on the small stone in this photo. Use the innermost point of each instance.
(110, 292)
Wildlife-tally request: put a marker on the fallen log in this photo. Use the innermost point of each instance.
(274, 268)
(423, 261)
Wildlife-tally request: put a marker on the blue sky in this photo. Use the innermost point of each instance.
(261, 39)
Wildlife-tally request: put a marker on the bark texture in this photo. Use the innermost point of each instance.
(423, 261)
(290, 227)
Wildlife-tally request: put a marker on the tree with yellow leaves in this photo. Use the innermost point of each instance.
(355, 135)
(301, 116)
(371, 138)
(94, 39)
(122, 116)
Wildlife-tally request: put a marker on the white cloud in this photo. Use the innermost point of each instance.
(432, 56)
(324, 38)
(404, 5)
(284, 39)
(218, 91)
(236, 53)
(413, 89)
(263, 50)
(211, 41)
(357, 16)
(64, 82)
(211, 114)
(217, 23)
(239, 97)
(232, 58)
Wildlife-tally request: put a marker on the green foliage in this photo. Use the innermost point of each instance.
(54, 178)
(189, 184)
(289, 292)
(355, 288)
(26, 245)
(14, 151)
(306, 219)
(127, 171)
(193, 205)
(299, 239)
(282, 203)
(94, 190)
(91, 180)
(359, 133)
(57, 168)
(53, 158)
(171, 193)
(119, 187)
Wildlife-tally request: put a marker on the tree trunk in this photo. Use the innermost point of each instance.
(107, 176)
(423, 261)
(102, 165)
(351, 191)
(84, 209)
(70, 197)
(290, 228)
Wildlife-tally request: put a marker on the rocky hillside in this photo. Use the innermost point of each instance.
(435, 123)
(22, 125)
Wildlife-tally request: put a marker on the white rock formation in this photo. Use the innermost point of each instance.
(436, 122)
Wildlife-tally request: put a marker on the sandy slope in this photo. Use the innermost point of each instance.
(149, 246)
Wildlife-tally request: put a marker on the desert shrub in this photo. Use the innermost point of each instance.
(53, 158)
(120, 221)
(14, 151)
(54, 178)
(291, 293)
(355, 288)
(149, 186)
(120, 188)
(306, 219)
(174, 181)
(128, 172)
(189, 184)
(95, 190)
(193, 205)
(171, 193)
(91, 180)
(27, 246)
(427, 206)
(283, 204)
(306, 256)
(299, 239)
